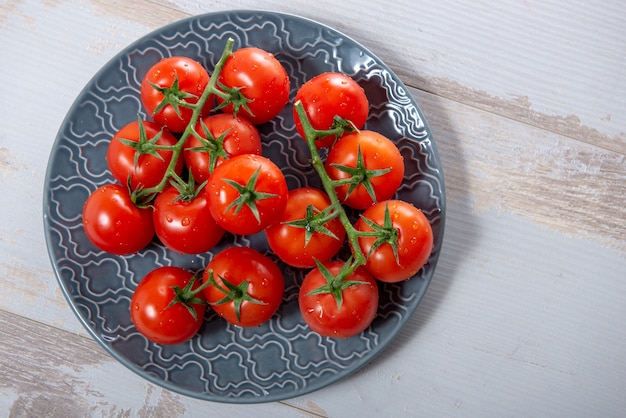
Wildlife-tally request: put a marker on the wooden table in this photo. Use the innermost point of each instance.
(526, 313)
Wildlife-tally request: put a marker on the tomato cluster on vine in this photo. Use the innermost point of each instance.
(195, 170)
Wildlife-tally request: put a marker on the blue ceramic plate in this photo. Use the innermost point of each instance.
(282, 358)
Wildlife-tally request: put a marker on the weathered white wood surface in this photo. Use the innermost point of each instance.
(526, 315)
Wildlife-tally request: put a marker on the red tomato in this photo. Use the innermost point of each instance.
(133, 143)
(185, 225)
(261, 79)
(403, 224)
(246, 287)
(247, 193)
(328, 95)
(302, 235)
(176, 79)
(229, 136)
(377, 153)
(164, 307)
(114, 224)
(323, 312)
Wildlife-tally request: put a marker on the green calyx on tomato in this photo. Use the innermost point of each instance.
(233, 293)
(315, 221)
(359, 175)
(187, 190)
(336, 284)
(187, 296)
(211, 145)
(173, 96)
(248, 195)
(233, 96)
(145, 146)
(385, 234)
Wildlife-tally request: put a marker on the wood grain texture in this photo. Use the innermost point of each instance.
(47, 372)
(523, 60)
(526, 313)
(504, 165)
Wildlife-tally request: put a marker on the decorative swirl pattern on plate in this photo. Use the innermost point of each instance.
(282, 358)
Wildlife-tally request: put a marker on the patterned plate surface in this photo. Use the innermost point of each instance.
(282, 358)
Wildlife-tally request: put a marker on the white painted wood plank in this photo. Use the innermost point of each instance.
(51, 373)
(554, 64)
(525, 315)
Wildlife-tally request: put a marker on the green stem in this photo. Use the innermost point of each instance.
(310, 135)
(190, 129)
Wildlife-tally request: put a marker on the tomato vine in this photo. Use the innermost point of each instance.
(358, 257)
(142, 197)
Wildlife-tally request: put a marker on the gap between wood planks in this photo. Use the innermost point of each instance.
(42, 367)
(519, 110)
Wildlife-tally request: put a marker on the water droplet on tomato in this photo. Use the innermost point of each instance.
(185, 221)
(169, 219)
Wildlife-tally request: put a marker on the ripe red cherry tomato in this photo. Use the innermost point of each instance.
(180, 77)
(322, 312)
(163, 307)
(262, 80)
(229, 136)
(328, 95)
(414, 238)
(150, 169)
(185, 225)
(377, 153)
(114, 224)
(246, 287)
(246, 193)
(310, 238)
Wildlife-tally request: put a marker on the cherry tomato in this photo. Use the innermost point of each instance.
(303, 234)
(366, 155)
(405, 225)
(114, 224)
(229, 136)
(323, 312)
(247, 193)
(164, 307)
(328, 95)
(171, 80)
(262, 80)
(133, 144)
(185, 224)
(246, 286)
